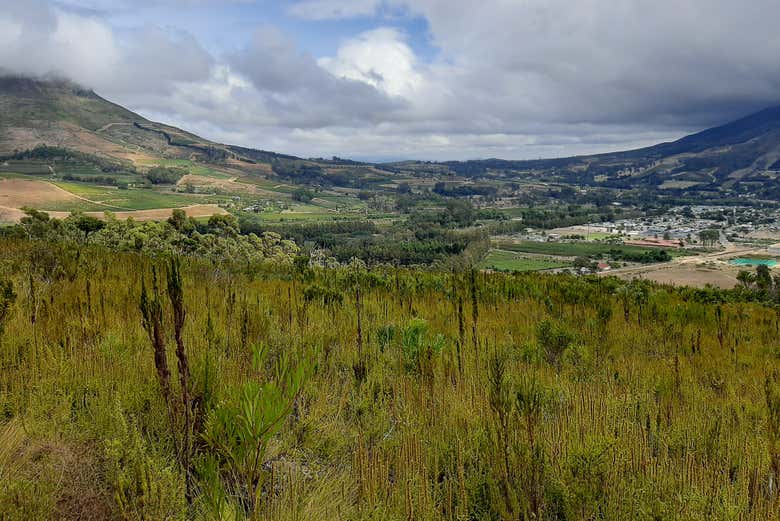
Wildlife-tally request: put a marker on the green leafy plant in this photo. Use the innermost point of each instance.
(418, 344)
(238, 431)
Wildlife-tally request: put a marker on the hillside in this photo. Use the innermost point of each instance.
(65, 148)
(740, 158)
(61, 113)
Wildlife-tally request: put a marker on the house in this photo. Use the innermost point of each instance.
(603, 266)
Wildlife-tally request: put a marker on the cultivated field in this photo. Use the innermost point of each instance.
(158, 214)
(509, 261)
(16, 193)
(711, 269)
(61, 199)
(577, 249)
(10, 215)
(720, 275)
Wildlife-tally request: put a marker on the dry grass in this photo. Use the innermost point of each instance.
(16, 193)
(720, 275)
(651, 415)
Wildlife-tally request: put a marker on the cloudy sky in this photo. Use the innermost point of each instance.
(421, 79)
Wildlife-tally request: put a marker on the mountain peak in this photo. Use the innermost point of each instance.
(27, 86)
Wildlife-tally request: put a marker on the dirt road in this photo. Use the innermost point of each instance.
(698, 270)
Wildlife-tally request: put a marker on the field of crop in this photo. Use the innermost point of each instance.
(144, 389)
(509, 261)
(130, 199)
(25, 167)
(21, 191)
(300, 212)
(577, 249)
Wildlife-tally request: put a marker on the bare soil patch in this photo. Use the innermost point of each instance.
(689, 274)
(225, 185)
(10, 215)
(16, 193)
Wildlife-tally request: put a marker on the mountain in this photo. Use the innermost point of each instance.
(63, 114)
(741, 158)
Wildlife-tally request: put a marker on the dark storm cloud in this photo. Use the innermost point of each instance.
(661, 61)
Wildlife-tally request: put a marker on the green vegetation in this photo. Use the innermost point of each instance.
(161, 175)
(597, 250)
(70, 165)
(189, 166)
(150, 387)
(219, 239)
(129, 199)
(510, 261)
(302, 195)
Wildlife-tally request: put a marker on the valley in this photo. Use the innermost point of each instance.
(581, 214)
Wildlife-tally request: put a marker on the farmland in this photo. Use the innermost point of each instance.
(576, 249)
(509, 261)
(132, 198)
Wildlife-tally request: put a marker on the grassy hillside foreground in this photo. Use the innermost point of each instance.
(397, 395)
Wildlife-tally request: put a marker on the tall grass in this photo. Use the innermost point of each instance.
(477, 396)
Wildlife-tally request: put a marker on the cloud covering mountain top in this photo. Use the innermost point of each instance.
(428, 79)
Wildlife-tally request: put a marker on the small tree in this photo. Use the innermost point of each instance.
(181, 414)
(746, 279)
(180, 222)
(763, 277)
(302, 195)
(88, 224)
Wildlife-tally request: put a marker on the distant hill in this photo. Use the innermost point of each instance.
(738, 159)
(63, 114)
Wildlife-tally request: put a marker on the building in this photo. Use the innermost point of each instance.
(774, 249)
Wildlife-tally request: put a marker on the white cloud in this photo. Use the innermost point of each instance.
(380, 58)
(37, 41)
(508, 78)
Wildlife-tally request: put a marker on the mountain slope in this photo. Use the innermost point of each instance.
(763, 125)
(739, 158)
(61, 113)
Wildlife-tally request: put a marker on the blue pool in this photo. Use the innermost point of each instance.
(754, 262)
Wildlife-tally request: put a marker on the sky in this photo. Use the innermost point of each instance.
(411, 79)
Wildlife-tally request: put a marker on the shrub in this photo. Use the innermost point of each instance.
(161, 175)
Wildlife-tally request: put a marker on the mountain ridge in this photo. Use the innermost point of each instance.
(739, 157)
